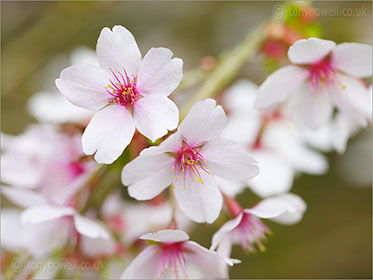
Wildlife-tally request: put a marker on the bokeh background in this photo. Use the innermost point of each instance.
(334, 240)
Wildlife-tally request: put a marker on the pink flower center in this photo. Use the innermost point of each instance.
(123, 89)
(251, 231)
(172, 260)
(189, 163)
(321, 74)
(76, 168)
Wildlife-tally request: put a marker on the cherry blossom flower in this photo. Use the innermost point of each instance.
(271, 138)
(173, 256)
(131, 220)
(247, 229)
(325, 75)
(127, 92)
(189, 160)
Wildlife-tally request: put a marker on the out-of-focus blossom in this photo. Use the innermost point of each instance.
(127, 92)
(189, 159)
(52, 162)
(272, 138)
(52, 107)
(131, 220)
(248, 230)
(173, 256)
(325, 75)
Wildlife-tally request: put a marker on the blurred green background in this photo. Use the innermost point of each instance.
(334, 240)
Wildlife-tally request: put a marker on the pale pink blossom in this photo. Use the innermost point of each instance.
(189, 160)
(172, 255)
(247, 229)
(272, 138)
(52, 163)
(127, 92)
(325, 75)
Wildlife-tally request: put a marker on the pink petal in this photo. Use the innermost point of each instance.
(281, 85)
(308, 51)
(108, 133)
(84, 86)
(199, 202)
(155, 115)
(353, 59)
(117, 49)
(204, 121)
(229, 160)
(166, 236)
(158, 73)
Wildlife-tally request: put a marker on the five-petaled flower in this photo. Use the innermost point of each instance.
(173, 256)
(127, 92)
(324, 75)
(189, 160)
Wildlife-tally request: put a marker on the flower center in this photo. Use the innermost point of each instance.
(251, 231)
(321, 74)
(123, 89)
(172, 260)
(189, 163)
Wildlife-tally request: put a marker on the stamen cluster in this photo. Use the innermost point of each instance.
(123, 89)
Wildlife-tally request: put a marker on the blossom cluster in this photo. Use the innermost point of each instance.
(180, 171)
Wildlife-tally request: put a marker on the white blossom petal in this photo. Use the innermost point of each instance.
(308, 51)
(108, 133)
(281, 85)
(155, 115)
(229, 160)
(290, 216)
(222, 233)
(84, 86)
(117, 49)
(147, 176)
(353, 59)
(311, 109)
(199, 202)
(170, 145)
(166, 236)
(90, 228)
(353, 99)
(275, 176)
(158, 73)
(145, 265)
(42, 213)
(97, 247)
(208, 264)
(204, 122)
(22, 197)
